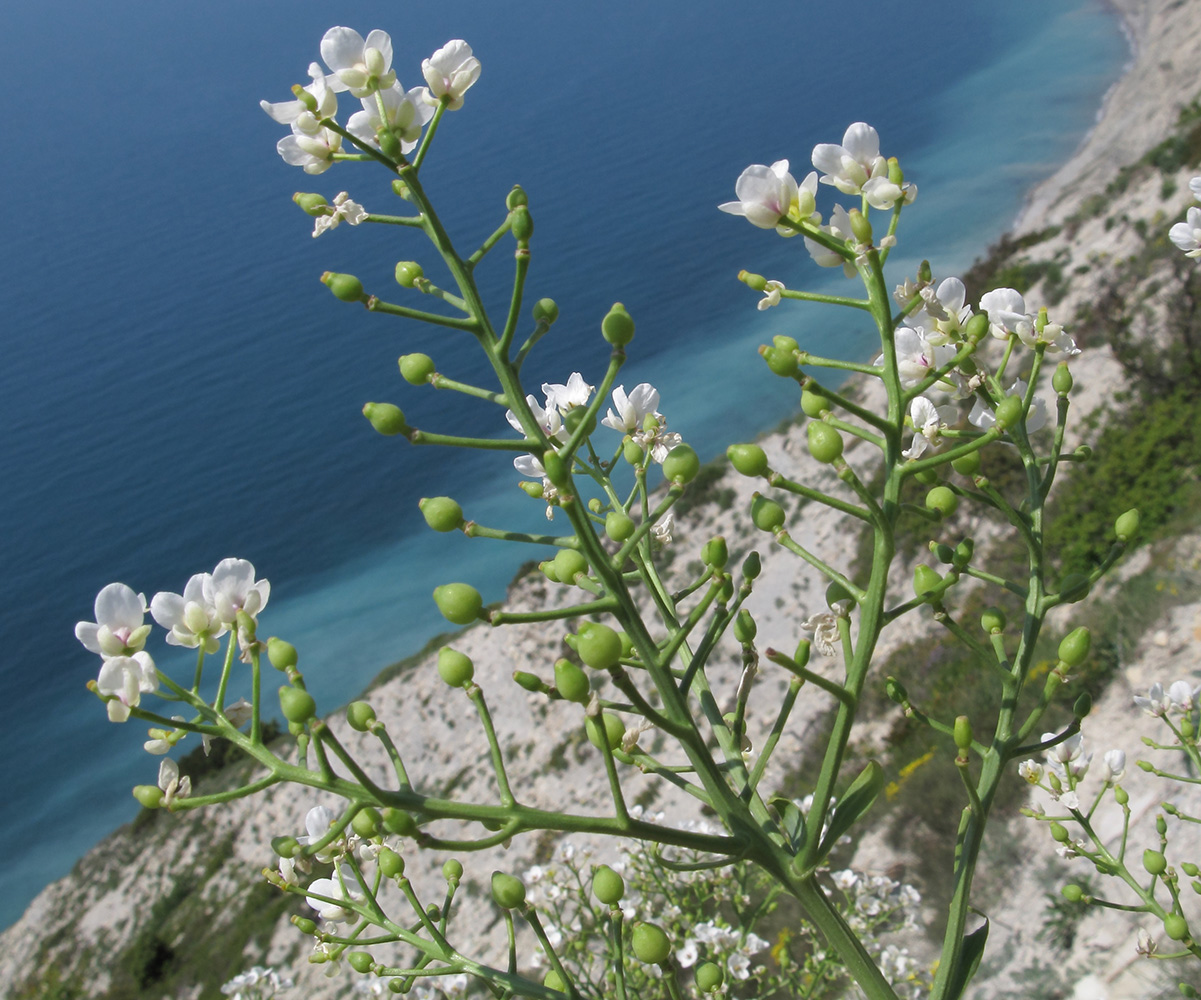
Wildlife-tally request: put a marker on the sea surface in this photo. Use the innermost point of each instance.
(179, 388)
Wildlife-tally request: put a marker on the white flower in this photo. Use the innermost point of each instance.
(752, 944)
(1113, 766)
(342, 208)
(118, 629)
(916, 356)
(856, 167)
(1146, 943)
(845, 880)
(686, 954)
(766, 195)
(1195, 186)
(632, 410)
(297, 114)
(232, 588)
(946, 308)
(1030, 771)
(258, 983)
(824, 626)
(125, 679)
(1007, 314)
(840, 228)
(192, 619)
(313, 153)
(342, 889)
(360, 65)
(1187, 235)
(739, 965)
(1068, 757)
(1155, 703)
(317, 822)
(1036, 416)
(929, 421)
(171, 783)
(450, 72)
(771, 294)
(662, 530)
(405, 115)
(1183, 697)
(566, 397)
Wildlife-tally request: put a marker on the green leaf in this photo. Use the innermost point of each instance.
(855, 801)
(969, 960)
(791, 820)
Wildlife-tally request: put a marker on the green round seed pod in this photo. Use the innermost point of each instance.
(360, 961)
(614, 729)
(508, 891)
(553, 981)
(607, 885)
(1120, 795)
(534, 490)
(1072, 893)
(745, 628)
(632, 452)
(681, 464)
(1061, 381)
(619, 525)
(766, 514)
(782, 343)
(311, 204)
(781, 362)
(389, 143)
(993, 620)
(976, 327)
(813, 403)
(150, 796)
(452, 870)
(709, 977)
(1154, 862)
(286, 847)
(366, 823)
(346, 287)
(360, 715)
(569, 563)
(618, 326)
(925, 580)
(967, 465)
(549, 571)
(752, 565)
(1059, 833)
(1074, 587)
(1175, 926)
(1008, 412)
(927, 477)
(715, 552)
(455, 668)
(651, 944)
(748, 459)
(390, 863)
(599, 646)
(523, 224)
(386, 418)
(546, 311)
(571, 682)
(825, 443)
(304, 925)
(460, 603)
(516, 198)
(416, 369)
(408, 272)
(441, 513)
(297, 705)
(1126, 526)
(1073, 648)
(281, 654)
(943, 500)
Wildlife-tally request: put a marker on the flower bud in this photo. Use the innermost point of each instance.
(571, 682)
(508, 891)
(455, 668)
(896, 691)
(452, 870)
(632, 452)
(360, 715)
(1059, 833)
(752, 565)
(709, 977)
(1072, 893)
(150, 796)
(311, 204)
(825, 443)
(963, 733)
(614, 729)
(861, 227)
(286, 847)
(599, 646)
(281, 654)
(400, 189)
(1008, 412)
(516, 198)
(895, 174)
(993, 621)
(1161, 826)
(943, 500)
(925, 274)
(531, 682)
(296, 704)
(385, 418)
(1073, 648)
(814, 404)
(1061, 381)
(967, 465)
(619, 525)
(766, 514)
(943, 553)
(715, 552)
(607, 885)
(459, 603)
(545, 311)
(963, 553)
(744, 627)
(523, 224)
(1120, 795)
(408, 272)
(555, 468)
(399, 822)
(366, 823)
(747, 459)
(782, 343)
(681, 464)
(389, 143)
(1175, 926)
(1082, 706)
(925, 580)
(360, 961)
(390, 863)
(755, 282)
(617, 327)
(569, 563)
(1154, 862)
(346, 287)
(651, 944)
(1126, 526)
(304, 925)
(976, 327)
(441, 513)
(532, 489)
(416, 369)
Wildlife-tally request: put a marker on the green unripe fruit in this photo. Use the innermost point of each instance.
(366, 823)
(964, 552)
(755, 282)
(281, 654)
(523, 224)
(745, 628)
(576, 416)
(752, 565)
(390, 863)
(861, 227)
(568, 563)
(389, 143)
(1120, 795)
(1190, 869)
(748, 459)
(571, 682)
(297, 705)
(632, 452)
(715, 552)
(599, 646)
(516, 198)
(549, 571)
(963, 733)
(386, 418)
(416, 369)
(346, 287)
(452, 870)
(454, 667)
(895, 691)
(1082, 706)
(1072, 893)
(360, 961)
(967, 465)
(681, 464)
(360, 715)
(781, 362)
(1175, 926)
(801, 656)
(286, 847)
(976, 327)
(943, 553)
(531, 682)
(814, 404)
(311, 204)
(150, 796)
(993, 620)
(531, 489)
(1154, 862)
(619, 525)
(1061, 381)
(508, 891)
(408, 272)
(553, 981)
(1059, 833)
(546, 311)
(927, 477)
(825, 443)
(1126, 526)
(1161, 825)
(766, 514)
(943, 500)
(1008, 412)
(1073, 649)
(304, 925)
(1074, 587)
(709, 977)
(651, 944)
(607, 885)
(555, 468)
(614, 730)
(460, 603)
(618, 326)
(925, 580)
(441, 513)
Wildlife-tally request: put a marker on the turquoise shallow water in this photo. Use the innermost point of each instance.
(179, 388)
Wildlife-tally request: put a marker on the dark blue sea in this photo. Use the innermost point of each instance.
(178, 387)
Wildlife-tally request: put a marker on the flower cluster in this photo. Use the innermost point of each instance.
(1187, 234)
(257, 983)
